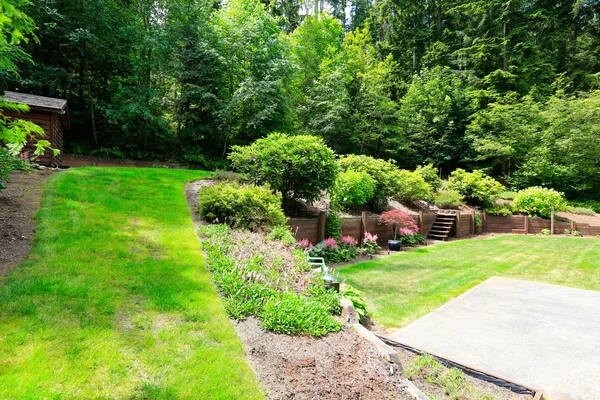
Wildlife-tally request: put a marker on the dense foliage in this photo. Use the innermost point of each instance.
(239, 206)
(299, 167)
(255, 278)
(352, 189)
(448, 199)
(477, 188)
(412, 186)
(538, 202)
(507, 87)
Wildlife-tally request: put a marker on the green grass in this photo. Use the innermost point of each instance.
(114, 301)
(403, 287)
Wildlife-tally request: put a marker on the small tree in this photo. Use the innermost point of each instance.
(399, 220)
(299, 167)
(538, 201)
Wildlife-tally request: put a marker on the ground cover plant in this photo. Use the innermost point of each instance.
(269, 279)
(405, 286)
(451, 380)
(115, 301)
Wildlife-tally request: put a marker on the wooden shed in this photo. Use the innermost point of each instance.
(51, 115)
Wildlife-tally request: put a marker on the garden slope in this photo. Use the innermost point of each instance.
(114, 300)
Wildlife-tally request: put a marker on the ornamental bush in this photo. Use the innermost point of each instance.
(412, 187)
(352, 189)
(299, 167)
(448, 199)
(538, 201)
(385, 174)
(430, 174)
(478, 188)
(240, 206)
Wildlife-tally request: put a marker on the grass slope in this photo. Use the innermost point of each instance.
(402, 288)
(114, 301)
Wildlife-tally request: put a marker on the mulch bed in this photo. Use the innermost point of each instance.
(18, 205)
(338, 366)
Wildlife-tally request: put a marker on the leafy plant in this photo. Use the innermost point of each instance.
(352, 189)
(567, 232)
(592, 204)
(369, 243)
(333, 252)
(538, 202)
(577, 233)
(283, 234)
(410, 240)
(500, 209)
(249, 207)
(293, 314)
(448, 199)
(412, 187)
(399, 220)
(430, 175)
(478, 188)
(299, 167)
(355, 296)
(545, 231)
(333, 227)
(581, 211)
(385, 174)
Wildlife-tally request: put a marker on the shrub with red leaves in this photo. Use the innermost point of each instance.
(399, 220)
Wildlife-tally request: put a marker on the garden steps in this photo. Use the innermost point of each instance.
(442, 226)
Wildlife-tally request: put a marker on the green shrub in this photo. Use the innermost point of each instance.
(355, 296)
(581, 211)
(507, 195)
(411, 240)
(330, 299)
(333, 226)
(299, 167)
(593, 204)
(249, 207)
(352, 189)
(6, 165)
(385, 174)
(477, 188)
(283, 234)
(431, 176)
(500, 209)
(293, 314)
(448, 199)
(334, 252)
(224, 175)
(412, 187)
(545, 231)
(567, 232)
(576, 233)
(537, 201)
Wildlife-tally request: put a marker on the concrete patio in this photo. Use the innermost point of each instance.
(543, 337)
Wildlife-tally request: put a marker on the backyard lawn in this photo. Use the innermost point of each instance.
(114, 300)
(402, 288)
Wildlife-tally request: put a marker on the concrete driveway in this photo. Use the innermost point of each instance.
(543, 337)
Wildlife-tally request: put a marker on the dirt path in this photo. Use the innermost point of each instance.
(18, 204)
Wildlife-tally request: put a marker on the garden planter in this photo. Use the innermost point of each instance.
(393, 245)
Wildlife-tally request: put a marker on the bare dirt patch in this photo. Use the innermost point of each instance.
(338, 366)
(18, 204)
(582, 219)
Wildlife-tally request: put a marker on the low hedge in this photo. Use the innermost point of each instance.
(241, 206)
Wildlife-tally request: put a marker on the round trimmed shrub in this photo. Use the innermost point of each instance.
(412, 187)
(478, 188)
(299, 167)
(538, 201)
(249, 207)
(448, 199)
(385, 174)
(352, 189)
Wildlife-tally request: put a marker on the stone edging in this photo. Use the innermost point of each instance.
(387, 353)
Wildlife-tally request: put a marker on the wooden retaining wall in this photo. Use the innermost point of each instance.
(535, 225)
(313, 229)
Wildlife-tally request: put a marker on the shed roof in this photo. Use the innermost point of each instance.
(37, 102)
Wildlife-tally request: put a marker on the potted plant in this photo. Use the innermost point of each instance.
(398, 220)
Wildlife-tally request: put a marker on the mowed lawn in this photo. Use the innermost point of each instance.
(402, 288)
(114, 301)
